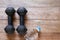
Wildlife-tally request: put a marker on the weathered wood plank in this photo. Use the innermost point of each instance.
(42, 36)
(46, 26)
(37, 13)
(30, 3)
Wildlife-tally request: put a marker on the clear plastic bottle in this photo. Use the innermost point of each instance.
(33, 35)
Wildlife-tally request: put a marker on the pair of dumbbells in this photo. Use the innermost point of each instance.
(21, 29)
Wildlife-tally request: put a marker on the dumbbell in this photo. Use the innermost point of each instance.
(21, 29)
(10, 28)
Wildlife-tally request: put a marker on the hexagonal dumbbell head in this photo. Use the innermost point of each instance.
(21, 29)
(22, 11)
(9, 29)
(10, 11)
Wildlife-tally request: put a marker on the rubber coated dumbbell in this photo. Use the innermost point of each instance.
(10, 28)
(21, 28)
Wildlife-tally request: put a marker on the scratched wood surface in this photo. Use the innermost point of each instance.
(43, 13)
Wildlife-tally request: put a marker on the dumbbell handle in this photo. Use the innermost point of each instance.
(21, 20)
(10, 20)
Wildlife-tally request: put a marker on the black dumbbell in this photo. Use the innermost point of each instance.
(10, 28)
(21, 28)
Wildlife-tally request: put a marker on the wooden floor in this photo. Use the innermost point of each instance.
(43, 13)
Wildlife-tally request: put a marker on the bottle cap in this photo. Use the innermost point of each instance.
(38, 28)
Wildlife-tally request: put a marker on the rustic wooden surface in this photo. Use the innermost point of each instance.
(43, 13)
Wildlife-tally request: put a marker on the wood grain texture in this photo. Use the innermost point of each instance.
(36, 13)
(37, 9)
(43, 13)
(30, 3)
(46, 26)
(50, 30)
(42, 36)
